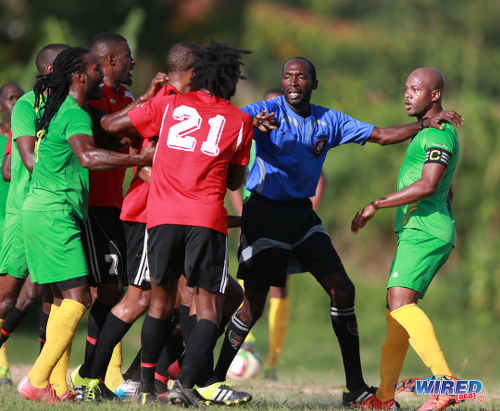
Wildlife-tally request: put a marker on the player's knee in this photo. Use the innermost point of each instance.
(7, 303)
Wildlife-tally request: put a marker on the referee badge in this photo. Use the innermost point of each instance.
(319, 146)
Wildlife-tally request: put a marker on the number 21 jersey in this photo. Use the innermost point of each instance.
(199, 136)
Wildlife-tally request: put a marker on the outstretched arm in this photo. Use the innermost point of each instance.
(26, 147)
(94, 158)
(424, 187)
(397, 134)
(119, 121)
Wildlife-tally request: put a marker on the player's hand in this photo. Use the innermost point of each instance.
(265, 121)
(146, 156)
(156, 84)
(362, 217)
(448, 116)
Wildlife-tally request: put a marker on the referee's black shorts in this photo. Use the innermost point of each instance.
(280, 238)
(104, 243)
(197, 252)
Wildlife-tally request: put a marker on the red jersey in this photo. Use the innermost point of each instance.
(199, 136)
(134, 203)
(106, 186)
(8, 146)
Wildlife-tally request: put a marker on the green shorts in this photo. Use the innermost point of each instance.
(13, 254)
(54, 247)
(418, 258)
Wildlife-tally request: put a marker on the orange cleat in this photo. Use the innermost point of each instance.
(45, 394)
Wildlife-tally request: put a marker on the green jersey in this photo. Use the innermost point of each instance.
(58, 181)
(23, 123)
(431, 214)
(251, 160)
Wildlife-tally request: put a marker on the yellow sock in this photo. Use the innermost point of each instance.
(3, 351)
(65, 320)
(279, 309)
(422, 337)
(393, 355)
(60, 371)
(114, 376)
(250, 336)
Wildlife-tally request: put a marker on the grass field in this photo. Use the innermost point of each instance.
(310, 368)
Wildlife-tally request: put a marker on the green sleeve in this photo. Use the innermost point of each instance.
(78, 122)
(434, 138)
(23, 120)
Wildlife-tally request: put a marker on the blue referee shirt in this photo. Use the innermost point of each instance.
(289, 159)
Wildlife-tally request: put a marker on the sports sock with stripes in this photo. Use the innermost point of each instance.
(12, 320)
(97, 317)
(111, 334)
(346, 329)
(198, 352)
(43, 328)
(236, 333)
(153, 337)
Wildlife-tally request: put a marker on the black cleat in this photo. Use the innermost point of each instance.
(184, 397)
(144, 398)
(355, 397)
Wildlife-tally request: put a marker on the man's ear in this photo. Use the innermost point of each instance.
(436, 95)
(315, 84)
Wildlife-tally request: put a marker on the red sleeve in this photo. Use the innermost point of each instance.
(147, 118)
(8, 147)
(244, 143)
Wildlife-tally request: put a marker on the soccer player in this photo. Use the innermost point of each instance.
(284, 176)
(104, 239)
(9, 94)
(56, 205)
(133, 215)
(204, 144)
(426, 237)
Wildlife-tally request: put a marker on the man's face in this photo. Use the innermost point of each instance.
(124, 63)
(296, 83)
(418, 96)
(94, 77)
(8, 98)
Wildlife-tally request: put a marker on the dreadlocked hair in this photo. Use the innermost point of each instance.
(51, 89)
(217, 69)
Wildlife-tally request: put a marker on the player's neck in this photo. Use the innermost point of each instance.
(435, 109)
(303, 110)
(78, 95)
(112, 84)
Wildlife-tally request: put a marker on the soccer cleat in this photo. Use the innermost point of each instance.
(438, 403)
(223, 394)
(185, 397)
(5, 376)
(45, 394)
(68, 396)
(144, 398)
(128, 390)
(351, 398)
(373, 403)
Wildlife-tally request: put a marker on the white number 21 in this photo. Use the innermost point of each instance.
(190, 121)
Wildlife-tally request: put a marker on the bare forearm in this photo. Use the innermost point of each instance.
(118, 122)
(6, 168)
(236, 200)
(318, 195)
(99, 159)
(394, 134)
(418, 190)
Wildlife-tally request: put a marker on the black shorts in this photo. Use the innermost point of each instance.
(137, 254)
(197, 252)
(104, 243)
(280, 238)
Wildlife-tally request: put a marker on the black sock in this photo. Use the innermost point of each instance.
(171, 351)
(153, 337)
(236, 333)
(43, 328)
(345, 326)
(198, 351)
(187, 322)
(97, 316)
(111, 334)
(12, 320)
(134, 370)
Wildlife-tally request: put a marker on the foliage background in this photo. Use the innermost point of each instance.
(363, 52)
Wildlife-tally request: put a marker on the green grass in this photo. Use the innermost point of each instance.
(310, 368)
